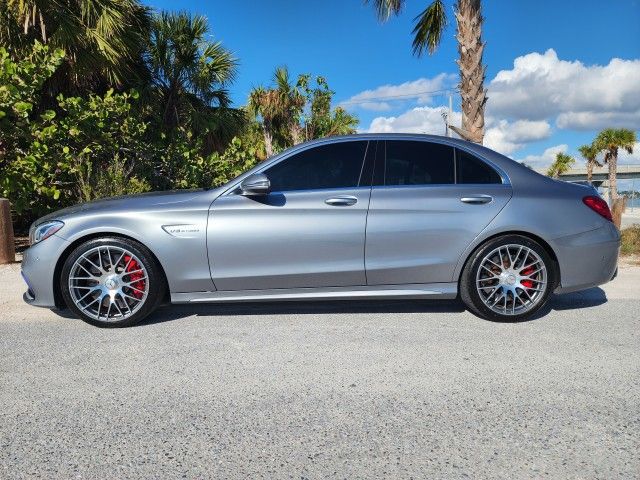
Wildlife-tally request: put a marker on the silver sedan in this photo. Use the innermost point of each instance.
(363, 216)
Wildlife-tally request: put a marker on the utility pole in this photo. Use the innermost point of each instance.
(449, 114)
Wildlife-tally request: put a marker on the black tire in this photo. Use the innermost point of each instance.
(471, 296)
(155, 290)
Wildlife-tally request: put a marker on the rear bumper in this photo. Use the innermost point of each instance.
(38, 270)
(587, 259)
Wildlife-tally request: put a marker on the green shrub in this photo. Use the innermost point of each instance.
(630, 241)
(55, 158)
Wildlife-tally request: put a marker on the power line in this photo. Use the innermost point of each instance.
(391, 97)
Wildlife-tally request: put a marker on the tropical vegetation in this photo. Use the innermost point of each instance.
(590, 154)
(289, 113)
(105, 97)
(562, 164)
(609, 142)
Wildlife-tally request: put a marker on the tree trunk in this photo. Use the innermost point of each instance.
(589, 171)
(268, 137)
(613, 185)
(472, 71)
(296, 133)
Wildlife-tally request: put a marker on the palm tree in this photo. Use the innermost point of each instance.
(319, 119)
(340, 123)
(189, 77)
(562, 163)
(428, 30)
(103, 39)
(291, 101)
(281, 109)
(266, 104)
(590, 154)
(610, 141)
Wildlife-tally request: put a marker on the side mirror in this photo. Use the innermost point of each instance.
(256, 184)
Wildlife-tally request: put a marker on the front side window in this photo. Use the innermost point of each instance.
(337, 165)
(418, 163)
(471, 170)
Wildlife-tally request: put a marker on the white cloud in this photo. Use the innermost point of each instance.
(506, 138)
(416, 120)
(381, 98)
(630, 158)
(525, 103)
(547, 157)
(502, 136)
(579, 97)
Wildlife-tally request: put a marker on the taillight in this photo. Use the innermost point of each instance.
(599, 206)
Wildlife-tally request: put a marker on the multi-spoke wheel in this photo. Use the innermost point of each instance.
(111, 282)
(509, 278)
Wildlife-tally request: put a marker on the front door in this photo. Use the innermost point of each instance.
(429, 201)
(308, 232)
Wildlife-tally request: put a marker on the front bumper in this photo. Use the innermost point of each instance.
(587, 259)
(38, 270)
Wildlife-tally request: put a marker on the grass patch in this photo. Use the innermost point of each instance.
(630, 241)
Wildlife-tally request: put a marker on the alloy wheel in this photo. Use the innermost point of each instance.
(511, 279)
(108, 283)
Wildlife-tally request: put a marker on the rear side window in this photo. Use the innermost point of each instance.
(418, 163)
(470, 169)
(337, 165)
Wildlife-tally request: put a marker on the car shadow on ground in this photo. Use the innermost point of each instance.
(578, 300)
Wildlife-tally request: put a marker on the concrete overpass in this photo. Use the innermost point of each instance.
(600, 174)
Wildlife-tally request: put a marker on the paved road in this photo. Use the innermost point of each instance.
(364, 390)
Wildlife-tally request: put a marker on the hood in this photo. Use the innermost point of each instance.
(139, 201)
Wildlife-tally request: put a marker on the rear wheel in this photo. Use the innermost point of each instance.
(111, 282)
(508, 279)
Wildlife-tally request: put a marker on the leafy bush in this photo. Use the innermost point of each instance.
(630, 241)
(182, 165)
(85, 149)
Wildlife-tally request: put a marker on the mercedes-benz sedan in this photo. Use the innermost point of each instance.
(363, 216)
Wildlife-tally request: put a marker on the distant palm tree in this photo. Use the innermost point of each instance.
(293, 113)
(428, 30)
(266, 104)
(340, 123)
(610, 141)
(292, 102)
(103, 39)
(189, 76)
(590, 154)
(280, 108)
(561, 165)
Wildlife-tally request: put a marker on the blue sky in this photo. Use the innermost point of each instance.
(577, 64)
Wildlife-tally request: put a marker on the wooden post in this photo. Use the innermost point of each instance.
(7, 245)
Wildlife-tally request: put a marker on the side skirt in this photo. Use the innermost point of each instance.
(427, 290)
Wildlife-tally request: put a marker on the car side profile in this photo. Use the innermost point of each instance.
(361, 216)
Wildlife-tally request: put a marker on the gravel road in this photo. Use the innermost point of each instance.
(337, 390)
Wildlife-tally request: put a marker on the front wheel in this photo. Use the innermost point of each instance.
(111, 282)
(509, 278)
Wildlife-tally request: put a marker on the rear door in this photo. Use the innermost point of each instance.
(308, 232)
(428, 202)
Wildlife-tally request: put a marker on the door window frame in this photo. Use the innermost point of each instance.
(381, 161)
(296, 150)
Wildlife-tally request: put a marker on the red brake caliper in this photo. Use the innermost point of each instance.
(526, 272)
(139, 284)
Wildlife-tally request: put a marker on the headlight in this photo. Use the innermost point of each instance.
(44, 231)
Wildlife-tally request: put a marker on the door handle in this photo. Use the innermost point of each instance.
(477, 200)
(341, 201)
